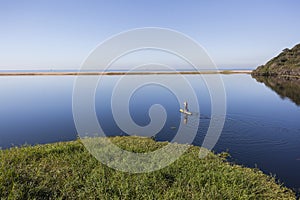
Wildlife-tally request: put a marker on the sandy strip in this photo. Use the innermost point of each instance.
(120, 73)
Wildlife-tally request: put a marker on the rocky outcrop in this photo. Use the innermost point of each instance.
(286, 63)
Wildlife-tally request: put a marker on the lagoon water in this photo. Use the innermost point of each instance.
(262, 129)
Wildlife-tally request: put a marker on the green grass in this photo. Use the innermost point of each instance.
(66, 170)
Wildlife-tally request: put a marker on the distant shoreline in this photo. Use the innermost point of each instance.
(110, 73)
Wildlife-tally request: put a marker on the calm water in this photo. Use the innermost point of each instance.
(261, 129)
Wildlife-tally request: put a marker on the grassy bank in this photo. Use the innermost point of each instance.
(67, 171)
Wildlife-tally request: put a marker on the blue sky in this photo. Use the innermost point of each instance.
(59, 34)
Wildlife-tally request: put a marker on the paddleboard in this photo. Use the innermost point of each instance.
(185, 112)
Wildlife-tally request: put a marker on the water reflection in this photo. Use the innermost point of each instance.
(285, 87)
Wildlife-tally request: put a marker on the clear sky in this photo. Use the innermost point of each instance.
(59, 34)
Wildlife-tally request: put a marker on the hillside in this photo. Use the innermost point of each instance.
(66, 170)
(286, 63)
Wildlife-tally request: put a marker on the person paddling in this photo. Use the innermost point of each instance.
(185, 106)
(185, 109)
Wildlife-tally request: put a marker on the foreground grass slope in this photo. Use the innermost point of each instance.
(67, 171)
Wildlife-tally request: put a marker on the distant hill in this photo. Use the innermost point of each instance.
(286, 63)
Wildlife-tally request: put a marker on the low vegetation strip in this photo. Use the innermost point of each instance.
(118, 73)
(66, 170)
